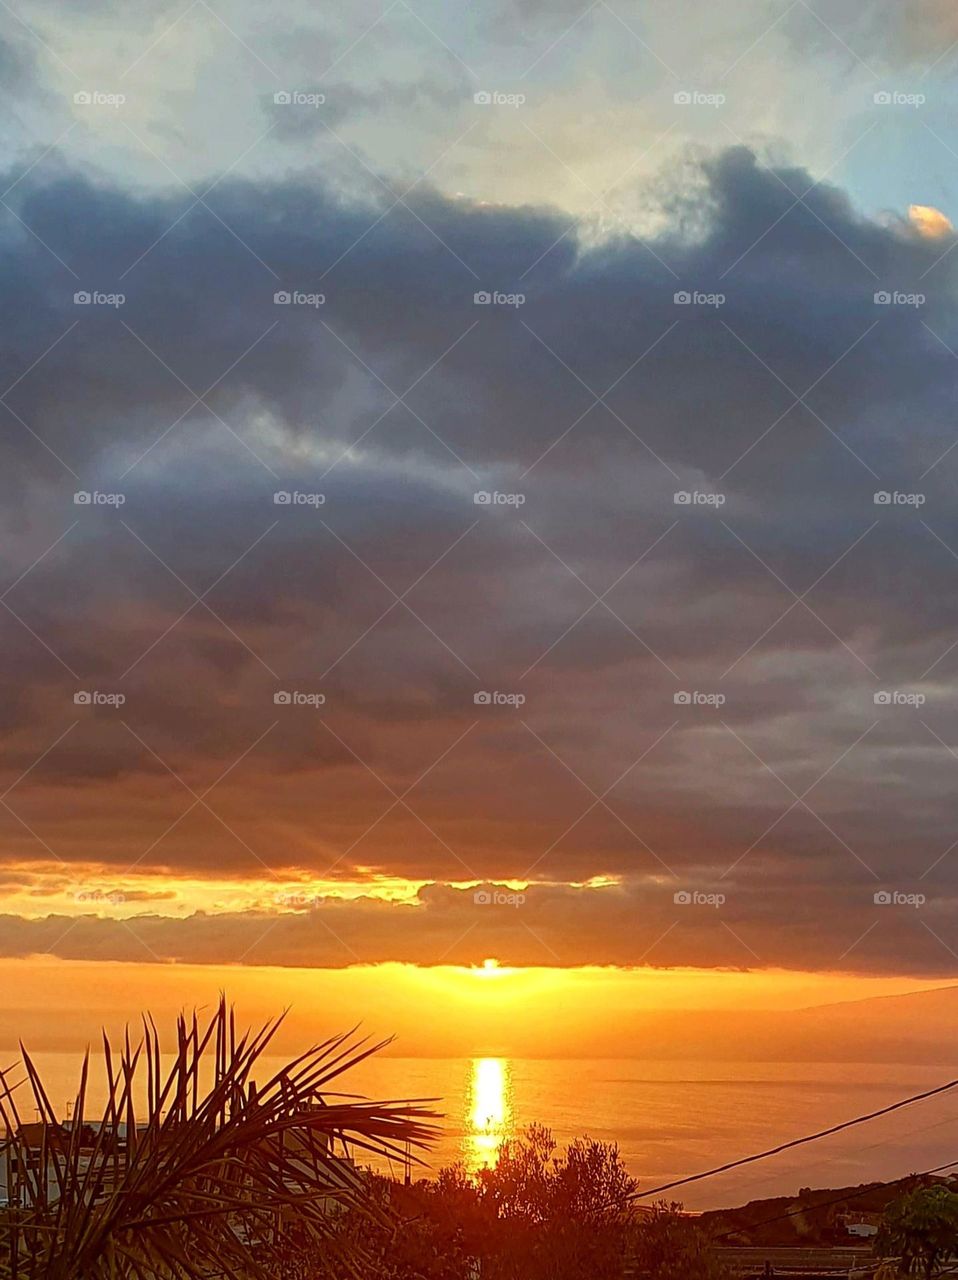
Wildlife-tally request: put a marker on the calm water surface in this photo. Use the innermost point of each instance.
(670, 1119)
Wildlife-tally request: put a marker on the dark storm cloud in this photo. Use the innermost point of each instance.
(729, 924)
(596, 400)
(201, 299)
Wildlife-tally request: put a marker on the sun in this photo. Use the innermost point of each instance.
(490, 968)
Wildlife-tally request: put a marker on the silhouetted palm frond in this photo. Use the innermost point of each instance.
(193, 1171)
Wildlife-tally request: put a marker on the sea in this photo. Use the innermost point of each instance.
(670, 1120)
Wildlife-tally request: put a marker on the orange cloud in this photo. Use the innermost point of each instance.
(930, 223)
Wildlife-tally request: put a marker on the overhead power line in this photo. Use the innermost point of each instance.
(827, 1204)
(795, 1142)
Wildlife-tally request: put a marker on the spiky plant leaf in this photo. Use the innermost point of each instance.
(193, 1175)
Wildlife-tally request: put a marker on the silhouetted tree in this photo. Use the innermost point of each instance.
(534, 1215)
(668, 1246)
(922, 1227)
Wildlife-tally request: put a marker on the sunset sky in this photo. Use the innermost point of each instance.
(604, 625)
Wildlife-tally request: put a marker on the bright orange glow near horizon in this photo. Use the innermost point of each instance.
(491, 968)
(488, 1010)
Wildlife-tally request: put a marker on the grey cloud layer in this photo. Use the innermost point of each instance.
(694, 398)
(735, 925)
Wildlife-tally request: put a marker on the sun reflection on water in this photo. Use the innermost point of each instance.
(488, 1111)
